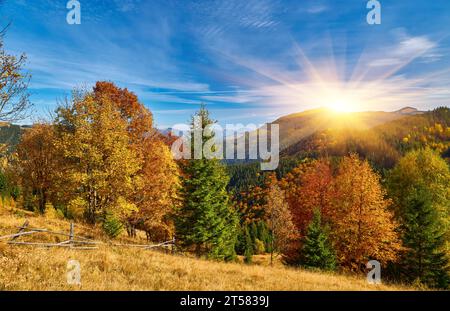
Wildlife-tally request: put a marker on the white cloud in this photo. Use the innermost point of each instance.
(408, 49)
(218, 17)
(414, 46)
(237, 98)
(317, 9)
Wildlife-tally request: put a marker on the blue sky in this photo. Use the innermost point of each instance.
(249, 61)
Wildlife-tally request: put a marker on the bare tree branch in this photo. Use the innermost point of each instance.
(14, 81)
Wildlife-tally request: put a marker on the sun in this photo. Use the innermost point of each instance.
(341, 106)
(337, 98)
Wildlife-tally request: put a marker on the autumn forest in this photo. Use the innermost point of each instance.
(340, 197)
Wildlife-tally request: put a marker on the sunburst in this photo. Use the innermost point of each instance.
(322, 84)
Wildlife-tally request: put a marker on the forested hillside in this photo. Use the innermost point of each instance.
(384, 144)
(381, 144)
(10, 135)
(297, 126)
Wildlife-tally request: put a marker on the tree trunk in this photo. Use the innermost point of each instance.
(42, 200)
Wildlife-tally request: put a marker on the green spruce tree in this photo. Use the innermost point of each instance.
(240, 241)
(206, 221)
(264, 234)
(248, 248)
(425, 260)
(419, 188)
(254, 234)
(317, 251)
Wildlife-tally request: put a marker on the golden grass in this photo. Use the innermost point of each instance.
(114, 268)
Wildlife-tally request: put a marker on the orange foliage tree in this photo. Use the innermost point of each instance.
(252, 202)
(102, 155)
(139, 119)
(362, 224)
(352, 202)
(37, 164)
(156, 194)
(279, 219)
(100, 169)
(308, 186)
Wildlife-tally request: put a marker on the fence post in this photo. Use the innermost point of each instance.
(71, 233)
(173, 245)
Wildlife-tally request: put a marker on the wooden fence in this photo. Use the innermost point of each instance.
(73, 241)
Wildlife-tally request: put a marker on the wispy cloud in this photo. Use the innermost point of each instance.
(408, 48)
(247, 59)
(316, 9)
(299, 82)
(219, 17)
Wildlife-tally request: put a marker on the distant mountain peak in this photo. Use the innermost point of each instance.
(408, 111)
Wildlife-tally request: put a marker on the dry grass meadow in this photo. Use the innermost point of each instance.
(114, 268)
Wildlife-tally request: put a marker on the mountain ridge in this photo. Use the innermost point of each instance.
(296, 126)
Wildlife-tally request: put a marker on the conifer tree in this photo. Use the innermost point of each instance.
(264, 234)
(240, 241)
(425, 260)
(317, 251)
(419, 188)
(254, 232)
(248, 247)
(206, 221)
(421, 169)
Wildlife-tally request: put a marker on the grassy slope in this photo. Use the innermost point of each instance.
(109, 268)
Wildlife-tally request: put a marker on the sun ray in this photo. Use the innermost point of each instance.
(322, 82)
